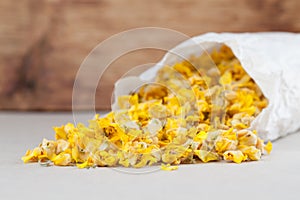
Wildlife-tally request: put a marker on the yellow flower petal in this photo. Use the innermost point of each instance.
(201, 136)
(62, 159)
(249, 139)
(235, 156)
(206, 156)
(60, 133)
(251, 152)
(268, 147)
(168, 167)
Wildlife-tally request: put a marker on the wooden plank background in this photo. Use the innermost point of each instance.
(43, 42)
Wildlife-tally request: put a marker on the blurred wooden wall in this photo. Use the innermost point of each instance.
(43, 42)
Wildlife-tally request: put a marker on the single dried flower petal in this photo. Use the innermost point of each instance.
(168, 167)
(236, 156)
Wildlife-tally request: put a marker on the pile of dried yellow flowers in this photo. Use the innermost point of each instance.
(198, 110)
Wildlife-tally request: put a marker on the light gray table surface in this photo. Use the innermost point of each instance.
(276, 176)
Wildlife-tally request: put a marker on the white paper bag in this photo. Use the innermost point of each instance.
(271, 59)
